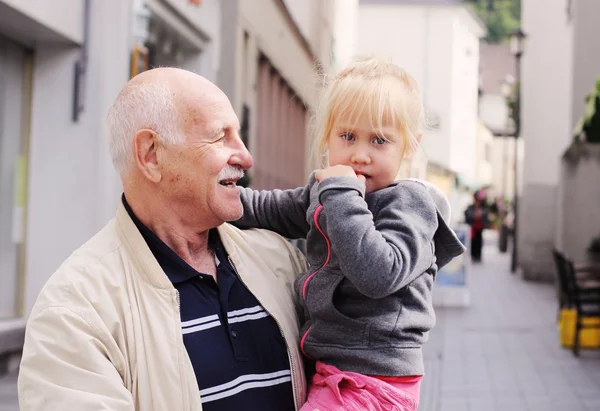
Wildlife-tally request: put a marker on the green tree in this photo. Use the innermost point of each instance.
(502, 17)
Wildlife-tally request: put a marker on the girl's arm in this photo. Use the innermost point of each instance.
(282, 211)
(380, 257)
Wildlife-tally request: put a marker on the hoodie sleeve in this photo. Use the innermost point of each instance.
(380, 257)
(281, 211)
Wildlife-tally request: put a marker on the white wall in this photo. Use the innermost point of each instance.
(304, 13)
(484, 166)
(73, 190)
(493, 110)
(345, 31)
(464, 97)
(547, 73)
(586, 43)
(255, 27)
(206, 19)
(61, 16)
(546, 130)
(271, 33)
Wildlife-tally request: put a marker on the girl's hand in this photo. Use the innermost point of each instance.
(337, 171)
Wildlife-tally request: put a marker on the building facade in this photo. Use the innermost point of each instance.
(559, 68)
(272, 51)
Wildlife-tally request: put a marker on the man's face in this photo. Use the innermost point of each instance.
(201, 174)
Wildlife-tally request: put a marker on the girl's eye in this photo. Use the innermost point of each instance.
(347, 136)
(380, 140)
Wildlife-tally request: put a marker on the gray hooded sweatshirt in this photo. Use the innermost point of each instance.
(366, 298)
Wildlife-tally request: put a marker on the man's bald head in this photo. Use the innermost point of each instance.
(164, 100)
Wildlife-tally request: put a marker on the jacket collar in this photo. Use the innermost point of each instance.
(142, 256)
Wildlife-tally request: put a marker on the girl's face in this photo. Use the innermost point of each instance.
(374, 153)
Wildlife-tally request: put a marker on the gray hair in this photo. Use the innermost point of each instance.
(141, 106)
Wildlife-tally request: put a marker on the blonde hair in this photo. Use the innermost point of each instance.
(389, 93)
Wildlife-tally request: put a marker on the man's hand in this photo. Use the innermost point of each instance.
(338, 171)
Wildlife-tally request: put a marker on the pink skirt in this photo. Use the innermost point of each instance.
(334, 390)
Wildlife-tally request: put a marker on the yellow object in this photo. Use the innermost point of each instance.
(588, 337)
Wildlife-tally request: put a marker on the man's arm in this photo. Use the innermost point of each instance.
(66, 365)
(379, 257)
(282, 211)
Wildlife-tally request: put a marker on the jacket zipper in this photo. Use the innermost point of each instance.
(305, 285)
(294, 388)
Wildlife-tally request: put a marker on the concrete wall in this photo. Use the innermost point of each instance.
(464, 97)
(484, 165)
(579, 214)
(586, 59)
(206, 21)
(503, 159)
(267, 32)
(315, 20)
(546, 129)
(62, 17)
(345, 29)
(71, 198)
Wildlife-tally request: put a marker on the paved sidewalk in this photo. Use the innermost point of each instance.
(502, 353)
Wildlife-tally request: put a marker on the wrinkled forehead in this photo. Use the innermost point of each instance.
(208, 113)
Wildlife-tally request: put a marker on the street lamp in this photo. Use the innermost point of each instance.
(517, 47)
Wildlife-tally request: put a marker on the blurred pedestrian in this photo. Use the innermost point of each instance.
(477, 216)
(374, 243)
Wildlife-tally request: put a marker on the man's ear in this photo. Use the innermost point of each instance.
(145, 146)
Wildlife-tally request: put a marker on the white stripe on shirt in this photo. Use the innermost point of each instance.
(248, 317)
(201, 327)
(250, 310)
(211, 321)
(243, 383)
(201, 320)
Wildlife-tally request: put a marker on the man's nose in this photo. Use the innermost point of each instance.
(242, 156)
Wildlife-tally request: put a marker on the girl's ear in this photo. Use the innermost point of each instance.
(419, 136)
(412, 149)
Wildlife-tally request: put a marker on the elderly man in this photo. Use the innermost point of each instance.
(167, 307)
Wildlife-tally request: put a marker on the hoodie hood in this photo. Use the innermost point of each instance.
(447, 244)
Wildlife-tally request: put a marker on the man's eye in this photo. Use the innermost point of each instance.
(347, 136)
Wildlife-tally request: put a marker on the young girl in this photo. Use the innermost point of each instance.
(374, 243)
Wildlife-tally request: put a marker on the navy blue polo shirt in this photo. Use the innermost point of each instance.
(238, 353)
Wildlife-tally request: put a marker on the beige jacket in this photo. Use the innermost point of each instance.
(105, 332)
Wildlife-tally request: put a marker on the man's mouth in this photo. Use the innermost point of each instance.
(230, 183)
(229, 176)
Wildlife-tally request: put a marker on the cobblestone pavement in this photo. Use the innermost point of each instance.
(502, 353)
